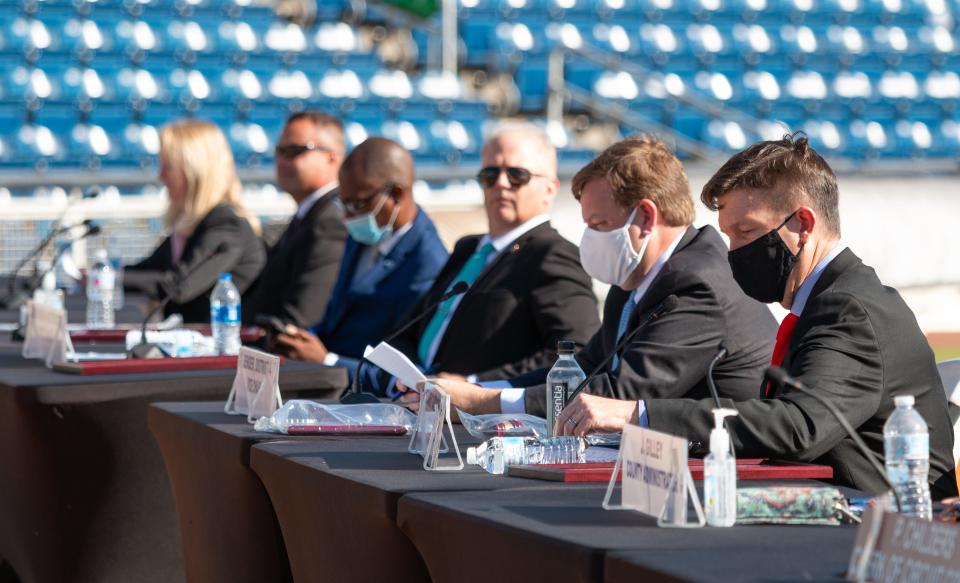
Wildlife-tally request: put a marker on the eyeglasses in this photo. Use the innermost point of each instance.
(517, 177)
(355, 208)
(291, 151)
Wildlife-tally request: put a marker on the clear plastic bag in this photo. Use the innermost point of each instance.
(521, 425)
(503, 425)
(311, 417)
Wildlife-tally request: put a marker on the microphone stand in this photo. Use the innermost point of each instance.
(356, 396)
(150, 349)
(667, 305)
(780, 377)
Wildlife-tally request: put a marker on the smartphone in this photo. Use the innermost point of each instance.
(272, 324)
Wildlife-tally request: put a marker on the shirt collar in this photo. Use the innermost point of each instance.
(500, 243)
(308, 202)
(390, 241)
(806, 288)
(652, 274)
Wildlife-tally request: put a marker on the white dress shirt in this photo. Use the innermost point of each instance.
(306, 204)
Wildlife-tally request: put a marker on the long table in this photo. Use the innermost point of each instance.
(563, 534)
(362, 509)
(83, 490)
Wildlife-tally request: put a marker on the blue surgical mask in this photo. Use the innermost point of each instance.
(364, 228)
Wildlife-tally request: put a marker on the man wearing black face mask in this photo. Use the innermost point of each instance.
(847, 337)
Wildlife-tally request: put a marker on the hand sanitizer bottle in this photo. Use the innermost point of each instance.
(720, 475)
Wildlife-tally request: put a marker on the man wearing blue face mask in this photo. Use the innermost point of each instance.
(636, 204)
(391, 258)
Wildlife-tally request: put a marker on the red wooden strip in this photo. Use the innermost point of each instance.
(747, 469)
(119, 335)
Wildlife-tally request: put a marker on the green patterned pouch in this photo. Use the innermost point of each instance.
(791, 505)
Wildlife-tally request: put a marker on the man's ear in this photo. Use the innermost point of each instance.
(648, 215)
(808, 220)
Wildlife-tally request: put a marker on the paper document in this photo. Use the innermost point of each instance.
(396, 363)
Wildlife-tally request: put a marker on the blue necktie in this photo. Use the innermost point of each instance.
(628, 309)
(468, 274)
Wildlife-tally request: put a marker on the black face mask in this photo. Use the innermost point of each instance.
(762, 267)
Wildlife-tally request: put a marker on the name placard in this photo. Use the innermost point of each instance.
(656, 480)
(46, 337)
(256, 388)
(891, 548)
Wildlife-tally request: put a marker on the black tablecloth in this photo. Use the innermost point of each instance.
(83, 490)
(337, 499)
(563, 534)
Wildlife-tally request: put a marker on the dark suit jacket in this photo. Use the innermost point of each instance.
(363, 312)
(223, 241)
(857, 344)
(533, 294)
(670, 356)
(302, 267)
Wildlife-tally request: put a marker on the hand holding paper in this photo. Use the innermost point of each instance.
(396, 363)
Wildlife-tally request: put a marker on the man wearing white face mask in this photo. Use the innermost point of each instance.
(636, 203)
(391, 258)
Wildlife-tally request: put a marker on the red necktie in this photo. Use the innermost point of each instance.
(780, 348)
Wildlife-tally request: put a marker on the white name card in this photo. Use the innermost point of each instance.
(46, 336)
(656, 480)
(256, 388)
(891, 548)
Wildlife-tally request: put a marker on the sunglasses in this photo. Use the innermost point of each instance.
(356, 208)
(517, 177)
(291, 151)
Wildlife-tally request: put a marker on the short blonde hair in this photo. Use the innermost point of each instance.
(201, 151)
(642, 167)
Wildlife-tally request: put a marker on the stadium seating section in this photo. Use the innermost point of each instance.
(87, 83)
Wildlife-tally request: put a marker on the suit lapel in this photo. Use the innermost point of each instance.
(846, 260)
(387, 265)
(351, 255)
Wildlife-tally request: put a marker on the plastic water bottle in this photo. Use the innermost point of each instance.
(906, 450)
(117, 263)
(498, 453)
(225, 316)
(565, 376)
(100, 286)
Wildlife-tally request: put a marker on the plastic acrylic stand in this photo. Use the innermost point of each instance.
(427, 439)
(668, 516)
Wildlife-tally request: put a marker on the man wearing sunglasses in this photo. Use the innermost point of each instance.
(302, 266)
(527, 288)
(391, 258)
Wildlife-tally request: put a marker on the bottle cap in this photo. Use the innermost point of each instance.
(566, 346)
(903, 401)
(225, 276)
(472, 456)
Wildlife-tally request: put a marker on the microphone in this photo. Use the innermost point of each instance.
(781, 378)
(12, 299)
(151, 349)
(669, 304)
(721, 354)
(356, 396)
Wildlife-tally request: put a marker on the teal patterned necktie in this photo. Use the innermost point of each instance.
(468, 274)
(628, 309)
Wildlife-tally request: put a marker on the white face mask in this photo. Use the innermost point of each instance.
(608, 256)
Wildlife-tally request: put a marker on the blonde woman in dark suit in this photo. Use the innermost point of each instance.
(210, 230)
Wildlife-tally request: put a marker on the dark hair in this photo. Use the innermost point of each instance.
(790, 172)
(642, 167)
(322, 121)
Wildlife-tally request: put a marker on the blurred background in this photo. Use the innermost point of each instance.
(874, 83)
